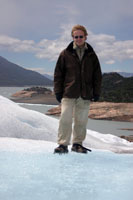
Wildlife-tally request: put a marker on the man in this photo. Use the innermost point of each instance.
(77, 80)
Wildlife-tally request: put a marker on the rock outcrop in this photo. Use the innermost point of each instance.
(128, 138)
(105, 111)
(98, 110)
(35, 95)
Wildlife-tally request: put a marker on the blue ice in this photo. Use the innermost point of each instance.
(47, 176)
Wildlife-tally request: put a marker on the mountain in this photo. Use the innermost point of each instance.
(15, 75)
(125, 74)
(116, 88)
(51, 77)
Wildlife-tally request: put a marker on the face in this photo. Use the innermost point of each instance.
(79, 38)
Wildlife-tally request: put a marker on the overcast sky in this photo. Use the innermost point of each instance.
(34, 32)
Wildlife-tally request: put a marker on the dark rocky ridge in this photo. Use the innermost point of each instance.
(116, 88)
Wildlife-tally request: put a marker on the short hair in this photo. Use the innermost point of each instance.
(79, 27)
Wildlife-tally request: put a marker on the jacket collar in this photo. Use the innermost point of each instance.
(89, 49)
(76, 47)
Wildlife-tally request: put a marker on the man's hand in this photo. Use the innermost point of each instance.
(95, 98)
(59, 97)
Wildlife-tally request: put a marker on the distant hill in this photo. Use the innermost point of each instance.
(14, 75)
(116, 88)
(51, 77)
(125, 74)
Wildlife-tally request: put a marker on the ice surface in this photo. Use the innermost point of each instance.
(30, 170)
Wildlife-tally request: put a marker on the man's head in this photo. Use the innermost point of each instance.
(79, 34)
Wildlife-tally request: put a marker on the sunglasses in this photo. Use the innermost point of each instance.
(80, 36)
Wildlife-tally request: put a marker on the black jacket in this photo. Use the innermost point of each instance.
(74, 78)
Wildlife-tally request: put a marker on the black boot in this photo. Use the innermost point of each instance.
(79, 148)
(61, 149)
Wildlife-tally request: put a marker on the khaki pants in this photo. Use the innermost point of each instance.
(76, 109)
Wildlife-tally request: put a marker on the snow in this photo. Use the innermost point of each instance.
(30, 170)
(18, 122)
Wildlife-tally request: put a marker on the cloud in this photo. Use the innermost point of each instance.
(117, 70)
(17, 45)
(50, 49)
(41, 70)
(108, 49)
(35, 18)
(110, 62)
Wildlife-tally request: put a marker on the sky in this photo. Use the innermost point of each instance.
(34, 32)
